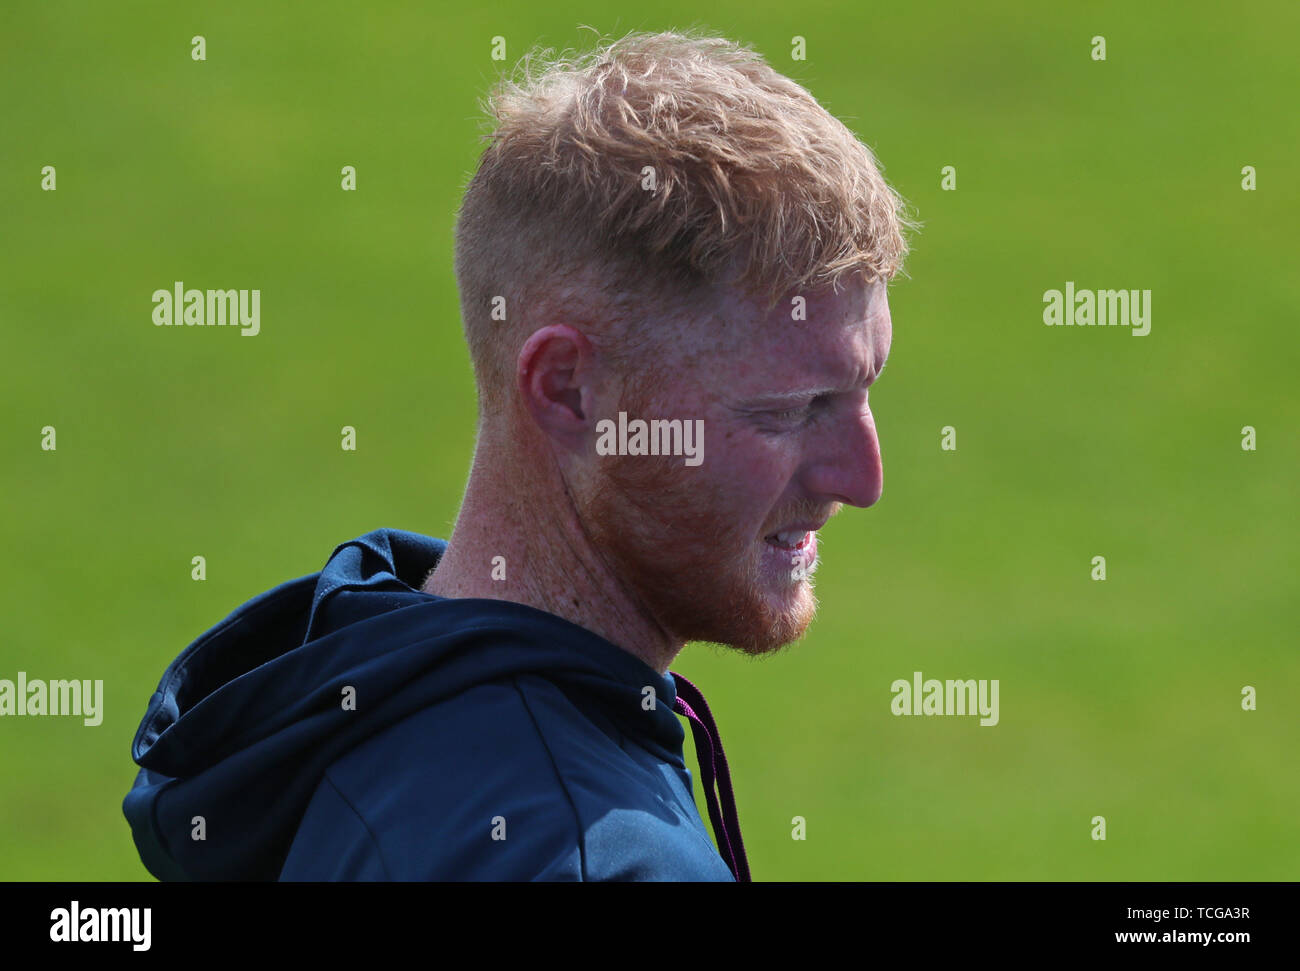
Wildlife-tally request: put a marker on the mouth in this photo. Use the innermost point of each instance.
(795, 536)
(790, 539)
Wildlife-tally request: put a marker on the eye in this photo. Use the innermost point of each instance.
(796, 414)
(792, 414)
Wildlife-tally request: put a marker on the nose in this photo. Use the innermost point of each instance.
(847, 467)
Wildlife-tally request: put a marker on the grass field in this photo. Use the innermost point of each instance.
(1119, 698)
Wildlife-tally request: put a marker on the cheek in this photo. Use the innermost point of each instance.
(753, 474)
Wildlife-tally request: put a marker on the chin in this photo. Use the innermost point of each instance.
(768, 620)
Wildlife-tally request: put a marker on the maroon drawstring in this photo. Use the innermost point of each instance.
(726, 824)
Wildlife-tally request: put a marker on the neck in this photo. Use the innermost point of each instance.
(530, 521)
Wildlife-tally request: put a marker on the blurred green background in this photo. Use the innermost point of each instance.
(1118, 698)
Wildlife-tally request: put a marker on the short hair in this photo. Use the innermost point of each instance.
(647, 170)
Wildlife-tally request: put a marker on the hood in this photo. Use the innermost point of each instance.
(246, 719)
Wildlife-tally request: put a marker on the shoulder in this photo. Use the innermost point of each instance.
(510, 780)
(464, 789)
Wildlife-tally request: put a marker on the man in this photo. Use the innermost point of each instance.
(672, 266)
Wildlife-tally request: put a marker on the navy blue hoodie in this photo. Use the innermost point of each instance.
(347, 726)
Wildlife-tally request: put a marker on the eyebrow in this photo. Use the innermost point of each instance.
(795, 395)
(813, 392)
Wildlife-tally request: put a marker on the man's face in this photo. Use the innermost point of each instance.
(722, 551)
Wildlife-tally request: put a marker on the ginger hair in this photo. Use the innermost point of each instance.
(619, 185)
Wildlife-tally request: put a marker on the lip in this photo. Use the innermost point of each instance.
(807, 528)
(791, 563)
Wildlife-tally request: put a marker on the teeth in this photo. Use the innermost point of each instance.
(790, 537)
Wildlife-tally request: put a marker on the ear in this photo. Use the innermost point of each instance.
(555, 369)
